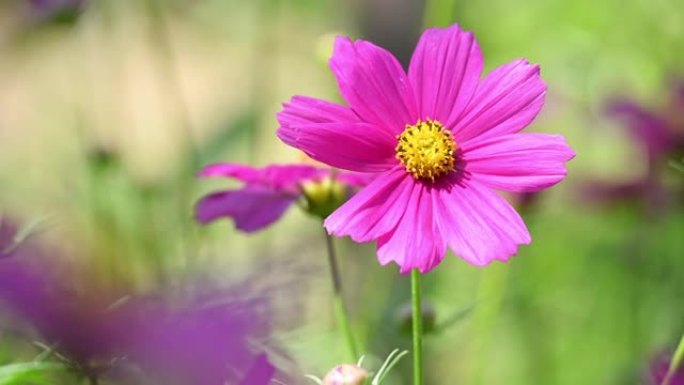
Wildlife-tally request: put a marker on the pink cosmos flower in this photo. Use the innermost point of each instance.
(270, 191)
(441, 140)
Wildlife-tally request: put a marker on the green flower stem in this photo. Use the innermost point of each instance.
(417, 324)
(675, 362)
(340, 310)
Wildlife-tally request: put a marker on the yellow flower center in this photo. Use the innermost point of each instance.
(426, 150)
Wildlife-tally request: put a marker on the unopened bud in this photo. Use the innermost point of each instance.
(346, 374)
(324, 196)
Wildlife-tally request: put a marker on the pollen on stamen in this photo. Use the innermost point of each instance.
(426, 150)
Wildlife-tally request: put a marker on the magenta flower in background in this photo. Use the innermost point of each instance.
(659, 135)
(268, 192)
(441, 140)
(215, 335)
(659, 132)
(213, 339)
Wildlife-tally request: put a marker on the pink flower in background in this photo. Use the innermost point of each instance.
(208, 340)
(658, 132)
(270, 191)
(441, 140)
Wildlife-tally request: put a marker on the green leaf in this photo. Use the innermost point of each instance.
(28, 372)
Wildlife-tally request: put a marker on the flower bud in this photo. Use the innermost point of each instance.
(346, 374)
(322, 197)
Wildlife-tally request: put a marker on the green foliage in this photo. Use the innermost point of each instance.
(29, 373)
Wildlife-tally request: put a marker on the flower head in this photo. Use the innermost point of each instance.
(440, 140)
(346, 374)
(658, 132)
(268, 192)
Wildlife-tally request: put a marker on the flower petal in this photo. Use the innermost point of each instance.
(355, 179)
(372, 81)
(287, 177)
(648, 129)
(251, 208)
(350, 146)
(518, 162)
(247, 174)
(373, 211)
(445, 71)
(305, 110)
(416, 242)
(284, 178)
(506, 101)
(261, 372)
(479, 225)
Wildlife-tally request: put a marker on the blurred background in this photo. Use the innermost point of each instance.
(108, 108)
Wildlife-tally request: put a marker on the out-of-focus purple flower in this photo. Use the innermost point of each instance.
(212, 340)
(81, 328)
(658, 371)
(209, 342)
(648, 129)
(660, 130)
(268, 192)
(647, 190)
(659, 133)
